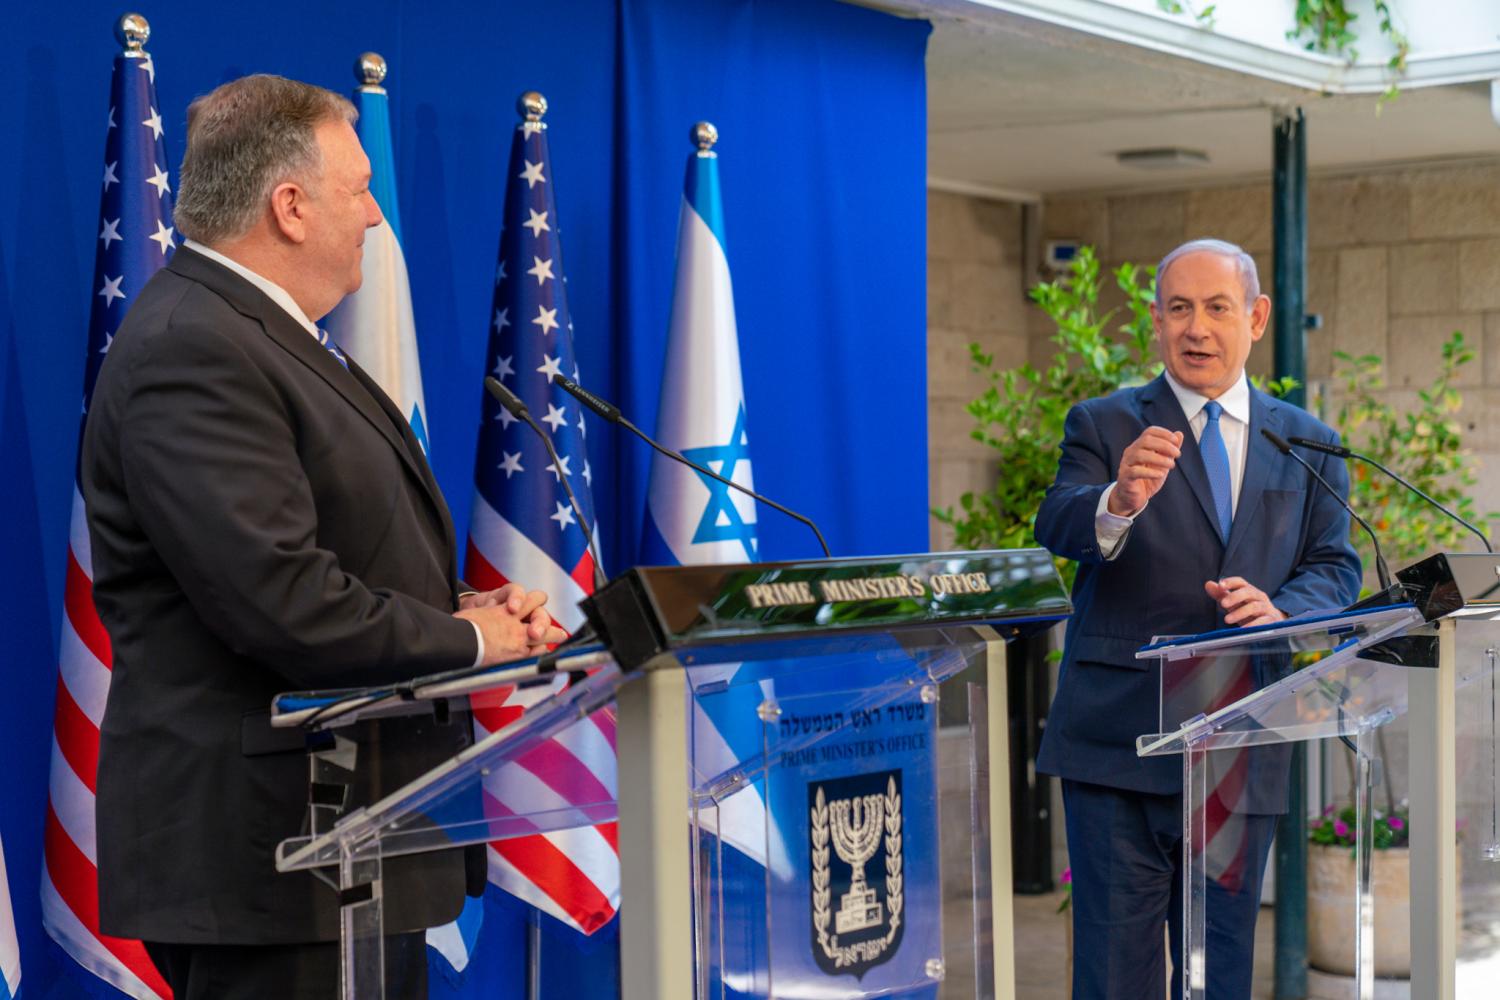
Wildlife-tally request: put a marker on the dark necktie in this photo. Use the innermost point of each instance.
(1216, 464)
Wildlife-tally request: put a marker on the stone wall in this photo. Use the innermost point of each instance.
(975, 293)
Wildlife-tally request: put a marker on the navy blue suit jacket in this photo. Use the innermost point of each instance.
(1289, 538)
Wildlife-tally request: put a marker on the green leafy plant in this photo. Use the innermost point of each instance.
(1423, 444)
(1324, 26)
(1204, 17)
(1021, 414)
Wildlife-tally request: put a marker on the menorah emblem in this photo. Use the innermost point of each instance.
(862, 826)
(857, 825)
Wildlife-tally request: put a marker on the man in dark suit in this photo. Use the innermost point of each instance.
(1183, 519)
(263, 519)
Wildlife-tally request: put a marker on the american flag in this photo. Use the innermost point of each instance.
(135, 239)
(1206, 685)
(523, 529)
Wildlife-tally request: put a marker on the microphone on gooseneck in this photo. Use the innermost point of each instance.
(517, 409)
(611, 413)
(1329, 448)
(1381, 569)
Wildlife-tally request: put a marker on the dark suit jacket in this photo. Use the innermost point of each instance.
(1289, 538)
(262, 520)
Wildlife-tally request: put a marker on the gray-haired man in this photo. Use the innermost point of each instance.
(1183, 519)
(262, 519)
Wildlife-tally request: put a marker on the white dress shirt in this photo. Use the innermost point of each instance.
(273, 291)
(283, 298)
(1234, 426)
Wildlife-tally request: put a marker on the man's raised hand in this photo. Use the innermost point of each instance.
(1144, 468)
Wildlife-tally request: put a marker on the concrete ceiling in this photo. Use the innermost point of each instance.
(1021, 109)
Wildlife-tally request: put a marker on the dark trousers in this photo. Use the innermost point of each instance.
(1125, 849)
(285, 972)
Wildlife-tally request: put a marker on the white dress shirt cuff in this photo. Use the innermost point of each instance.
(1110, 529)
(479, 638)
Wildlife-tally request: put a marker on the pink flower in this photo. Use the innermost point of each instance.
(1067, 876)
(1397, 823)
(1328, 810)
(1340, 828)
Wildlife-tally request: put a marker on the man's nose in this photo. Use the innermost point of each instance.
(1198, 325)
(373, 217)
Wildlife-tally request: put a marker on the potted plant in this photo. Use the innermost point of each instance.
(1330, 892)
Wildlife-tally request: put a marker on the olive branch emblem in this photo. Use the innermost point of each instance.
(855, 848)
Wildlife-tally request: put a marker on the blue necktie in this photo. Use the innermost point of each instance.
(1216, 464)
(333, 348)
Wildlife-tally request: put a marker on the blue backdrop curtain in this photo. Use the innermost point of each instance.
(821, 111)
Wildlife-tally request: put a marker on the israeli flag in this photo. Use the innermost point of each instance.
(451, 946)
(375, 325)
(10, 951)
(691, 518)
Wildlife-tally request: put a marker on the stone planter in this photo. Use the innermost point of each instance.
(1330, 910)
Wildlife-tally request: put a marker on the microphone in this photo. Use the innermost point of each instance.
(611, 413)
(1381, 569)
(1335, 449)
(517, 409)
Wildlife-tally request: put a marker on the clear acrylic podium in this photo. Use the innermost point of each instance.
(812, 793)
(1232, 702)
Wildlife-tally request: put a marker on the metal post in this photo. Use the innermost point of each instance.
(1289, 244)
(998, 756)
(1289, 309)
(1433, 781)
(1291, 885)
(656, 962)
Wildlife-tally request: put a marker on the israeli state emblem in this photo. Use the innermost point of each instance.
(857, 897)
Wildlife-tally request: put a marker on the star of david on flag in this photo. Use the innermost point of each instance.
(135, 239)
(721, 520)
(692, 518)
(524, 529)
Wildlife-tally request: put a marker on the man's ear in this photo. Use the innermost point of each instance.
(1260, 315)
(289, 210)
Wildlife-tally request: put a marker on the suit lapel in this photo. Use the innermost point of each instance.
(1259, 458)
(296, 341)
(413, 451)
(1160, 407)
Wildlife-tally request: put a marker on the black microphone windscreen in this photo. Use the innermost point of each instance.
(1277, 440)
(504, 396)
(1326, 447)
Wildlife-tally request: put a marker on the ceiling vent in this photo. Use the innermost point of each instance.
(1164, 158)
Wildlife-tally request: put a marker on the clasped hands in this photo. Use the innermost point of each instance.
(1144, 467)
(514, 622)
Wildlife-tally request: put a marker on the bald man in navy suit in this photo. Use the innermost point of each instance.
(1183, 519)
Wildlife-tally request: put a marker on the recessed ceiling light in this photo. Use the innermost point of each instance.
(1163, 158)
